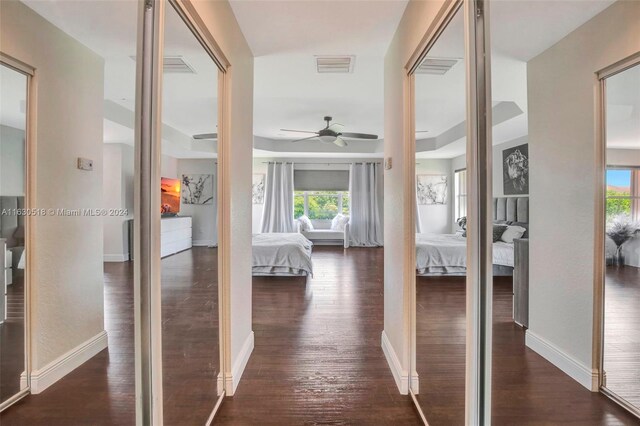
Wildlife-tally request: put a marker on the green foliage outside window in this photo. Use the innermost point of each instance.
(321, 205)
(298, 204)
(617, 206)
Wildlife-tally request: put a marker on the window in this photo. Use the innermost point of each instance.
(320, 205)
(623, 192)
(460, 193)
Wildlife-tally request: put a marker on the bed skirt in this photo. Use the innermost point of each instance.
(498, 271)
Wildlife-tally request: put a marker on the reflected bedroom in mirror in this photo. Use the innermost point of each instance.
(621, 348)
(441, 244)
(13, 122)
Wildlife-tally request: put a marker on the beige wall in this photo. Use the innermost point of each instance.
(223, 25)
(413, 26)
(562, 146)
(67, 295)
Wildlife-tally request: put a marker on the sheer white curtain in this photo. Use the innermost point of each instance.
(214, 243)
(418, 221)
(366, 188)
(277, 215)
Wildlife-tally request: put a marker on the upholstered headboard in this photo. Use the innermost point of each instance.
(511, 209)
(12, 224)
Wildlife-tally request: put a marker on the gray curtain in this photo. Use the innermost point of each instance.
(418, 221)
(277, 215)
(366, 191)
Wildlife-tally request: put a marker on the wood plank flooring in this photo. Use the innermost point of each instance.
(526, 388)
(12, 339)
(102, 390)
(317, 356)
(622, 332)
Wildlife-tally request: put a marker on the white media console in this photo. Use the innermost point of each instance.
(175, 235)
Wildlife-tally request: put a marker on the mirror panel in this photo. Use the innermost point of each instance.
(189, 226)
(621, 348)
(441, 244)
(13, 223)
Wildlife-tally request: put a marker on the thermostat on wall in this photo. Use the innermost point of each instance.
(85, 164)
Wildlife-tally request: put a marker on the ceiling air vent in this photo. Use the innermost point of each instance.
(437, 66)
(335, 64)
(175, 65)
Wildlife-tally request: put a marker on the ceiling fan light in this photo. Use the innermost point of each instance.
(327, 139)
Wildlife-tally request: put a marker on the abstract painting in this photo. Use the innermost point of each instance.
(432, 189)
(515, 170)
(257, 189)
(197, 189)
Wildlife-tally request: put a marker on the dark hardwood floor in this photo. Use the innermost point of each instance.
(102, 390)
(12, 339)
(317, 356)
(526, 388)
(622, 332)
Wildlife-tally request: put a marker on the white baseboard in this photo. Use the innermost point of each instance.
(569, 365)
(400, 375)
(233, 379)
(204, 243)
(44, 377)
(116, 257)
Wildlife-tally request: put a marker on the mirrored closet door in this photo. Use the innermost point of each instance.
(14, 379)
(621, 331)
(441, 219)
(189, 225)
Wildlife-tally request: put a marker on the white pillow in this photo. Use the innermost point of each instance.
(305, 223)
(339, 222)
(512, 233)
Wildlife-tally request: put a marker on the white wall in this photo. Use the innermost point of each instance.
(222, 24)
(437, 219)
(67, 280)
(561, 88)
(117, 194)
(169, 167)
(398, 187)
(204, 223)
(12, 162)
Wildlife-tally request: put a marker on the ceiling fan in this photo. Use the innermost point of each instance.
(332, 133)
(206, 136)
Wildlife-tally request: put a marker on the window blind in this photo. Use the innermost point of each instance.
(321, 180)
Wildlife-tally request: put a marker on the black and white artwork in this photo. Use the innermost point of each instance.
(257, 190)
(515, 170)
(197, 189)
(432, 189)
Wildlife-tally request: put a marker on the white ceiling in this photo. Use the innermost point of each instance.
(285, 36)
(520, 30)
(320, 27)
(13, 95)
(623, 109)
(109, 29)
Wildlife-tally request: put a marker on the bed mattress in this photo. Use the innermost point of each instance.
(446, 254)
(282, 254)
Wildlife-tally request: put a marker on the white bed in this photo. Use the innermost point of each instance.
(446, 254)
(281, 254)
